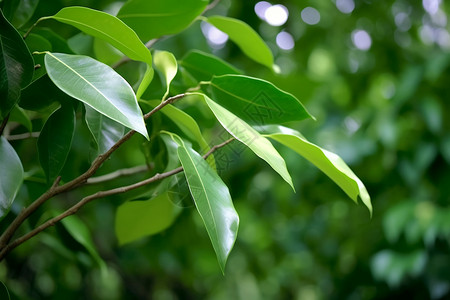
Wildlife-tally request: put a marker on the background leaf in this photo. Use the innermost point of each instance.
(16, 66)
(55, 140)
(20, 116)
(82, 78)
(203, 66)
(106, 132)
(19, 12)
(166, 63)
(329, 163)
(251, 138)
(212, 199)
(139, 218)
(245, 37)
(11, 180)
(255, 100)
(153, 18)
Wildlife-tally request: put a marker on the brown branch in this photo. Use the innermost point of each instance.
(74, 209)
(58, 189)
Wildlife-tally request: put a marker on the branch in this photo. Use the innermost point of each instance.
(74, 209)
(57, 189)
(116, 174)
(22, 136)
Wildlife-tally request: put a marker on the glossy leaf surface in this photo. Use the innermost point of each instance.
(106, 132)
(55, 140)
(251, 138)
(16, 66)
(140, 218)
(97, 85)
(212, 199)
(255, 100)
(245, 37)
(11, 177)
(329, 163)
(203, 66)
(106, 27)
(154, 18)
(20, 11)
(166, 63)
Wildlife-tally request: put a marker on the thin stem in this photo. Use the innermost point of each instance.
(22, 136)
(74, 209)
(34, 25)
(55, 190)
(117, 174)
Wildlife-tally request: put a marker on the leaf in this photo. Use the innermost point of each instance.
(255, 100)
(40, 94)
(212, 199)
(80, 232)
(140, 218)
(106, 132)
(16, 66)
(34, 43)
(97, 85)
(106, 27)
(251, 138)
(203, 66)
(55, 141)
(329, 163)
(106, 53)
(11, 175)
(20, 116)
(245, 37)
(166, 63)
(23, 12)
(154, 18)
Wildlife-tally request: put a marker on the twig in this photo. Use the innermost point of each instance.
(22, 136)
(72, 210)
(116, 174)
(5, 121)
(211, 5)
(55, 190)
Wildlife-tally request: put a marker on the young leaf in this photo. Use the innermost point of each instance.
(166, 63)
(154, 18)
(55, 141)
(212, 199)
(11, 177)
(251, 138)
(106, 132)
(139, 218)
(245, 37)
(255, 100)
(16, 66)
(329, 163)
(97, 85)
(80, 232)
(203, 66)
(106, 27)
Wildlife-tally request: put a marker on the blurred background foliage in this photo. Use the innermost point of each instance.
(376, 76)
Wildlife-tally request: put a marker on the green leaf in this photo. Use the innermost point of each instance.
(55, 141)
(40, 94)
(166, 63)
(106, 27)
(245, 37)
(251, 138)
(16, 66)
(329, 163)
(23, 11)
(212, 199)
(20, 116)
(106, 53)
(11, 177)
(106, 132)
(80, 232)
(140, 218)
(255, 100)
(34, 43)
(203, 66)
(154, 18)
(97, 85)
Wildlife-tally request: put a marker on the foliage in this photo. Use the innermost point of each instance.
(380, 108)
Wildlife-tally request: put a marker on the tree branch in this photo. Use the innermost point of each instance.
(74, 209)
(22, 136)
(116, 174)
(58, 189)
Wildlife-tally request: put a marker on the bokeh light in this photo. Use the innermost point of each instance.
(285, 41)
(310, 16)
(276, 15)
(216, 38)
(345, 6)
(361, 39)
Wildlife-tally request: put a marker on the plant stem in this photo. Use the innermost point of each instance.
(116, 174)
(58, 189)
(74, 209)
